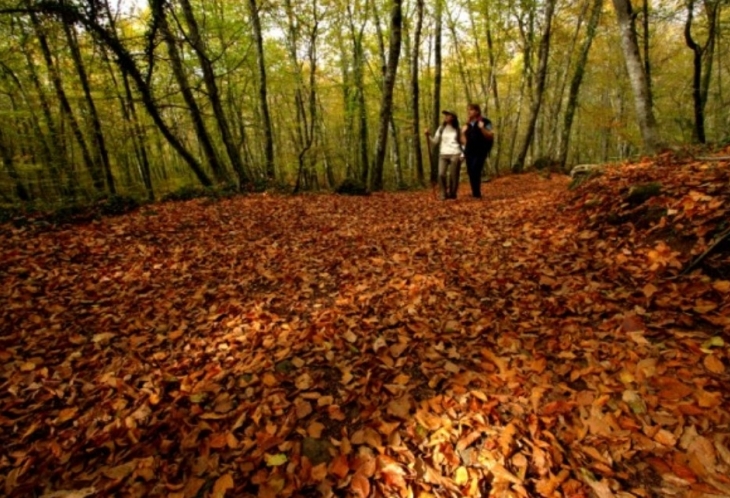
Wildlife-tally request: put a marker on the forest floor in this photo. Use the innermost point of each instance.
(539, 342)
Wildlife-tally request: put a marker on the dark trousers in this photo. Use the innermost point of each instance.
(474, 167)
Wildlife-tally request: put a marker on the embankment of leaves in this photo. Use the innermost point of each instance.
(671, 208)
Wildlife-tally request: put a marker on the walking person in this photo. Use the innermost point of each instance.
(477, 136)
(448, 140)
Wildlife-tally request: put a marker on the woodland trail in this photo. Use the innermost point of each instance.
(390, 345)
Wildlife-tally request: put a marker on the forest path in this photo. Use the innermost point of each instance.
(390, 345)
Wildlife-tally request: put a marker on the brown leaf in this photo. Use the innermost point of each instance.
(360, 486)
(400, 408)
(120, 471)
(714, 364)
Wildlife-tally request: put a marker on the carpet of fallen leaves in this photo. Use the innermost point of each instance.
(540, 342)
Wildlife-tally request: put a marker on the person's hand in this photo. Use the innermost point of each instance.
(427, 132)
(465, 128)
(481, 124)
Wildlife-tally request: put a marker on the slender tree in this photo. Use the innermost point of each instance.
(386, 103)
(55, 75)
(263, 89)
(438, 63)
(637, 75)
(702, 57)
(415, 92)
(543, 54)
(577, 80)
(97, 130)
(213, 94)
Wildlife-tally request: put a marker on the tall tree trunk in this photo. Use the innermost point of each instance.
(701, 62)
(438, 31)
(415, 92)
(178, 69)
(6, 154)
(647, 48)
(637, 75)
(495, 93)
(263, 89)
(576, 81)
(55, 75)
(51, 149)
(213, 93)
(386, 104)
(98, 134)
(397, 161)
(544, 52)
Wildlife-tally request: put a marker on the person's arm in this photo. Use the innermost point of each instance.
(486, 130)
(436, 137)
(464, 129)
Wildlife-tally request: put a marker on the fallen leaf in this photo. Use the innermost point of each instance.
(275, 460)
(714, 364)
(223, 484)
(120, 471)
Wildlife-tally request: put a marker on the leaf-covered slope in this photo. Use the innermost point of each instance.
(391, 345)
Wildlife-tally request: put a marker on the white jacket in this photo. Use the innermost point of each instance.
(447, 136)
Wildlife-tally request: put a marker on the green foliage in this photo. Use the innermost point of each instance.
(351, 186)
(547, 164)
(189, 193)
(117, 205)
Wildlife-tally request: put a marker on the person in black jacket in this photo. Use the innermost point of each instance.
(477, 136)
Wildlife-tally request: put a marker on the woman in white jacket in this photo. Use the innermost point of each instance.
(448, 138)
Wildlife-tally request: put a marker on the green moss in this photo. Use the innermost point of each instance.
(351, 186)
(641, 193)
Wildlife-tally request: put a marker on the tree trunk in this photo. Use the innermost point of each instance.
(97, 179)
(436, 87)
(99, 142)
(6, 154)
(576, 81)
(701, 62)
(196, 115)
(198, 45)
(52, 150)
(263, 89)
(495, 93)
(647, 47)
(544, 52)
(386, 104)
(415, 93)
(637, 75)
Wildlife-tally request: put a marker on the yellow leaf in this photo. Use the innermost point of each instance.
(223, 484)
(461, 476)
(275, 460)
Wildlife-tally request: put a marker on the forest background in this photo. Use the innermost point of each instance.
(99, 98)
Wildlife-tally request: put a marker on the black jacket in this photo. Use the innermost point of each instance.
(476, 142)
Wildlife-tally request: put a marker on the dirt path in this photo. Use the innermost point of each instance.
(392, 345)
